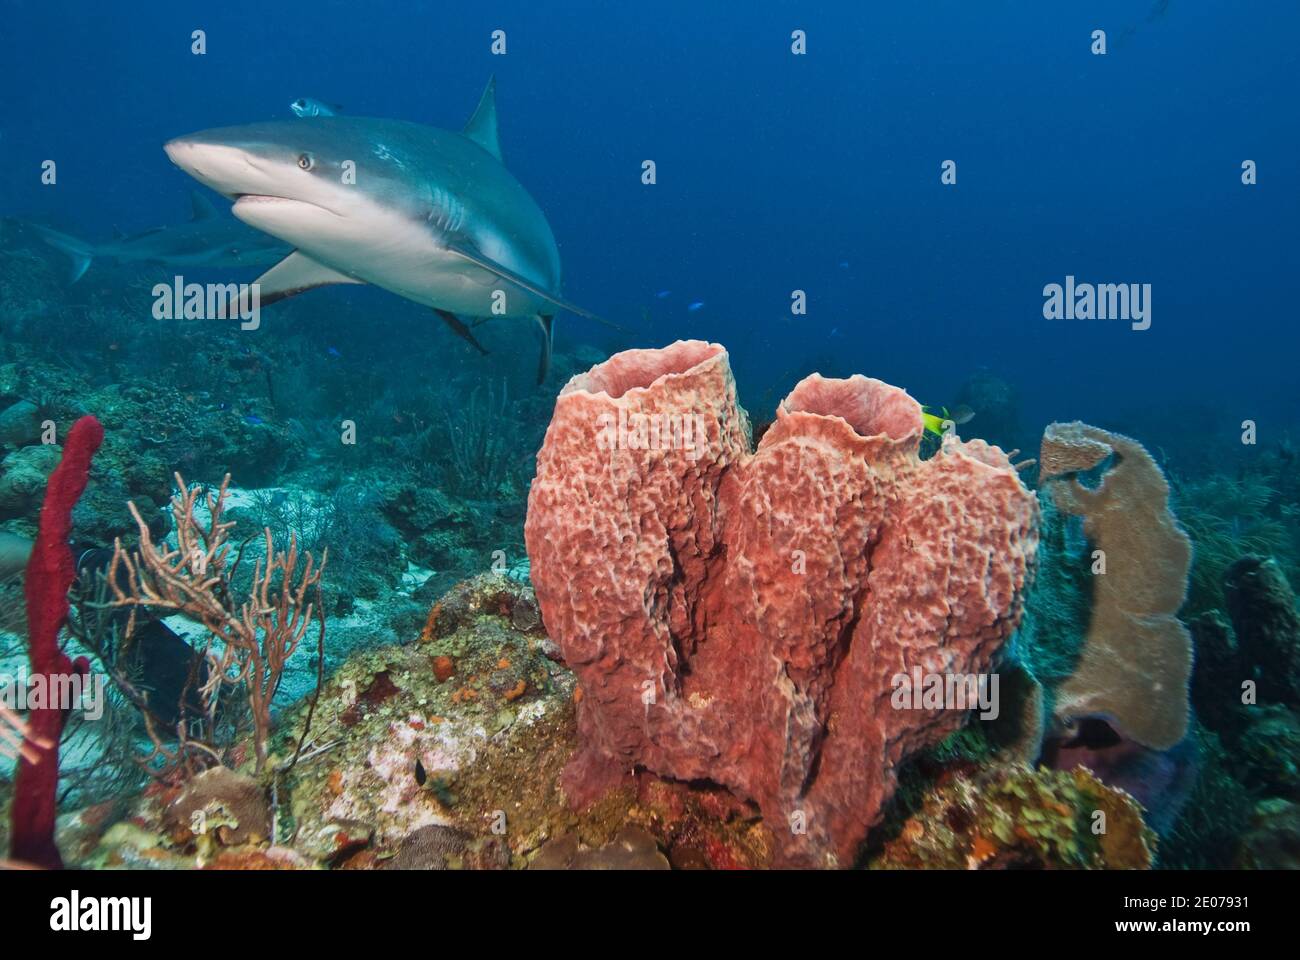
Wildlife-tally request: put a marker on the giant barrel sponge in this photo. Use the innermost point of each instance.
(740, 617)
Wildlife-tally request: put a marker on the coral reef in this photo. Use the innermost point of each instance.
(1136, 660)
(405, 746)
(740, 618)
(734, 647)
(413, 767)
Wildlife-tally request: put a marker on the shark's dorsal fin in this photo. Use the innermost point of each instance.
(295, 274)
(482, 126)
(472, 254)
(202, 206)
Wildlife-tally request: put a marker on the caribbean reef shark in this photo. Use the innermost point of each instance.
(431, 215)
(207, 240)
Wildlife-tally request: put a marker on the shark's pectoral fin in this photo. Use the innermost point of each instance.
(202, 206)
(460, 329)
(548, 336)
(473, 255)
(295, 274)
(80, 264)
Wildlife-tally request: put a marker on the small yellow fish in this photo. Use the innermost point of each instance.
(935, 420)
(933, 423)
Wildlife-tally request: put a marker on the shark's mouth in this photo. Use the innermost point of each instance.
(246, 200)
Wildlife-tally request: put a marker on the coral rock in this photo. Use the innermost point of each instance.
(739, 617)
(22, 478)
(20, 424)
(1217, 673)
(632, 849)
(1273, 841)
(1267, 626)
(429, 848)
(228, 805)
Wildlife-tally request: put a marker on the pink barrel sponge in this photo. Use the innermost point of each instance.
(740, 617)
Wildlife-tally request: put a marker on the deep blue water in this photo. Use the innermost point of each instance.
(779, 172)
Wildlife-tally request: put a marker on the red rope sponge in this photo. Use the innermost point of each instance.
(50, 573)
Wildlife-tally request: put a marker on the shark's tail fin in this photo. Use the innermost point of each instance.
(78, 251)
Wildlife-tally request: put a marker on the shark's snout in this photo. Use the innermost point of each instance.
(176, 146)
(226, 168)
(184, 152)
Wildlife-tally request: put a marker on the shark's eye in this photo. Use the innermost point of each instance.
(305, 161)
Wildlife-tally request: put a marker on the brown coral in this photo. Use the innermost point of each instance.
(1010, 816)
(632, 849)
(1137, 656)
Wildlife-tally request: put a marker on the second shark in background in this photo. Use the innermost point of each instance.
(206, 240)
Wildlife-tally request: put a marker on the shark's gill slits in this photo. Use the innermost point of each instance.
(447, 213)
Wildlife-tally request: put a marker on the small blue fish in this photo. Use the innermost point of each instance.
(664, 294)
(844, 264)
(696, 305)
(254, 419)
(333, 352)
(311, 107)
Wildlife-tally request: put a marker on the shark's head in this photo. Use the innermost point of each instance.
(291, 179)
